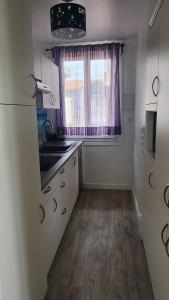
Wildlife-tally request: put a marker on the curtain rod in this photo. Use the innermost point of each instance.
(87, 43)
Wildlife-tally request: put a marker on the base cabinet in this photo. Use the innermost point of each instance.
(55, 211)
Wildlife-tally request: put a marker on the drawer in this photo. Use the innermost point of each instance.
(57, 182)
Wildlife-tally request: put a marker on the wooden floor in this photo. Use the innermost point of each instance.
(101, 256)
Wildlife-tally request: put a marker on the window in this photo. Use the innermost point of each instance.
(90, 98)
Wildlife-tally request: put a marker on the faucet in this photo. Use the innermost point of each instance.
(47, 127)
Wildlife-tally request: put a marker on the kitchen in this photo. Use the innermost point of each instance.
(84, 150)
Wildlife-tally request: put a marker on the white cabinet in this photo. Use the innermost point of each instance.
(37, 62)
(55, 85)
(74, 169)
(16, 53)
(50, 76)
(56, 207)
(152, 79)
(148, 208)
(46, 70)
(50, 217)
(157, 212)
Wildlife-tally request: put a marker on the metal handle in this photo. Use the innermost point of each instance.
(165, 195)
(74, 164)
(149, 179)
(64, 211)
(56, 205)
(47, 190)
(62, 185)
(162, 234)
(62, 171)
(167, 247)
(155, 93)
(166, 243)
(44, 215)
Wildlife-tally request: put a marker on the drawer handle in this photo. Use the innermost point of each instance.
(62, 171)
(74, 164)
(43, 211)
(56, 205)
(162, 234)
(166, 243)
(165, 195)
(149, 179)
(47, 190)
(63, 185)
(155, 93)
(64, 211)
(167, 247)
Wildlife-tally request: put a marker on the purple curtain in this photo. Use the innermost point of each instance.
(89, 89)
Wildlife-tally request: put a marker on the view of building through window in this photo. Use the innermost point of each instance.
(87, 106)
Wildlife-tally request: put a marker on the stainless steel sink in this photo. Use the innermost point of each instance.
(56, 147)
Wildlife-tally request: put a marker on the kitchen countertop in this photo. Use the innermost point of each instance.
(47, 176)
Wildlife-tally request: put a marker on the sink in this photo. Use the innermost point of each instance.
(47, 162)
(56, 147)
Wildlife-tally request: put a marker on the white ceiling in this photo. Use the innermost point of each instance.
(106, 19)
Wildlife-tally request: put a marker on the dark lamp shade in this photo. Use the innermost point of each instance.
(68, 21)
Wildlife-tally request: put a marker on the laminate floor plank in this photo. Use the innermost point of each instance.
(101, 255)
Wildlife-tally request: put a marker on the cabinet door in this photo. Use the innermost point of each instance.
(51, 231)
(16, 53)
(152, 79)
(74, 177)
(37, 63)
(148, 207)
(46, 70)
(55, 86)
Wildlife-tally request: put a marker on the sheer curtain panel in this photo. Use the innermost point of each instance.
(89, 89)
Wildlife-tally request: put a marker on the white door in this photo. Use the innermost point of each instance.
(152, 79)
(16, 53)
(19, 197)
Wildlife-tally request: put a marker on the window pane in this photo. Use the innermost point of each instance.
(100, 72)
(74, 112)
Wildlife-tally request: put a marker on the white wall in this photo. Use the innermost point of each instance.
(112, 166)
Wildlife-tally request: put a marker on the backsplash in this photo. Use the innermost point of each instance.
(41, 117)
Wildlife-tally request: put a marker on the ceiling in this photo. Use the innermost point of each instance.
(106, 19)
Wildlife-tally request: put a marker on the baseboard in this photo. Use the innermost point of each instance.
(105, 186)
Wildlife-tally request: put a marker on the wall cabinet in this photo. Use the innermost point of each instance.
(47, 71)
(37, 62)
(56, 208)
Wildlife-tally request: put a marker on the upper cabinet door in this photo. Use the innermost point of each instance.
(37, 63)
(152, 79)
(16, 54)
(55, 86)
(46, 70)
(50, 76)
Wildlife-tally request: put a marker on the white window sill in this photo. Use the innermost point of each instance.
(97, 140)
